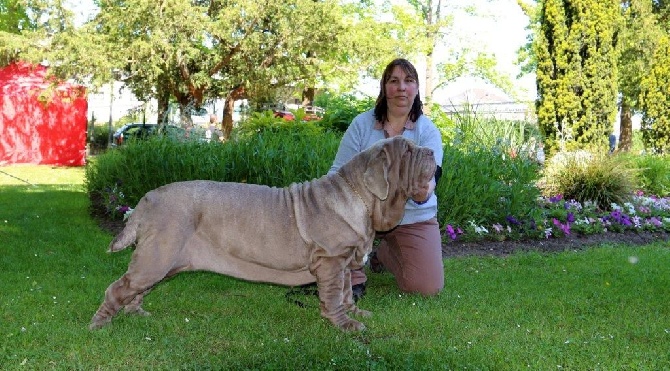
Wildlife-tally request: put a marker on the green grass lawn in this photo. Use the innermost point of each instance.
(601, 308)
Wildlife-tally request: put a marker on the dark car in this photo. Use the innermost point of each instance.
(137, 131)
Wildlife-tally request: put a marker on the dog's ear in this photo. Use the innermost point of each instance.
(375, 177)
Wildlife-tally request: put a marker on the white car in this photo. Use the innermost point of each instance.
(200, 117)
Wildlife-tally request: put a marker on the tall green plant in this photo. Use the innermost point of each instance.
(484, 185)
(652, 173)
(270, 158)
(584, 176)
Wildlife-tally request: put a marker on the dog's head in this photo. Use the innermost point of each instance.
(397, 169)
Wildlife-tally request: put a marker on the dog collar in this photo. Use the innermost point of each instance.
(356, 192)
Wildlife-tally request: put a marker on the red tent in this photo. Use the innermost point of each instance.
(42, 121)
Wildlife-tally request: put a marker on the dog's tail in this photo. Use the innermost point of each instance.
(128, 235)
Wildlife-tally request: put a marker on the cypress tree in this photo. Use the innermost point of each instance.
(577, 73)
(655, 100)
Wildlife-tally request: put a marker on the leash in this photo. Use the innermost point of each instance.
(17, 178)
(305, 290)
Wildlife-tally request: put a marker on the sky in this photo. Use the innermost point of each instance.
(500, 31)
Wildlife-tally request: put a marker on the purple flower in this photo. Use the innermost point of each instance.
(512, 220)
(555, 199)
(571, 218)
(655, 221)
(451, 232)
(564, 227)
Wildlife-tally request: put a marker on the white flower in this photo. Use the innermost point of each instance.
(127, 214)
(478, 229)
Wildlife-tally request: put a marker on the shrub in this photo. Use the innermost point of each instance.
(271, 158)
(479, 184)
(341, 110)
(266, 122)
(444, 123)
(100, 137)
(652, 172)
(583, 176)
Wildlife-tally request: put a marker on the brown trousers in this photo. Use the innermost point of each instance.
(413, 254)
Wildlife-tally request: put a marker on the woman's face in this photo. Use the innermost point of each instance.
(401, 89)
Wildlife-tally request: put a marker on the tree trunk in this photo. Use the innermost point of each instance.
(185, 117)
(308, 97)
(163, 107)
(625, 127)
(431, 19)
(428, 98)
(237, 93)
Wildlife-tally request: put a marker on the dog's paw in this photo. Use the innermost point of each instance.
(98, 323)
(136, 310)
(352, 325)
(360, 312)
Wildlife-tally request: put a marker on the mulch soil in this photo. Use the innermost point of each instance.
(570, 242)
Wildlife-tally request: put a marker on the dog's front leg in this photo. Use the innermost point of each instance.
(330, 278)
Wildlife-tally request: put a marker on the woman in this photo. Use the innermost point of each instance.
(412, 251)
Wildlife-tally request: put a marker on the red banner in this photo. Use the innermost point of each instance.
(42, 121)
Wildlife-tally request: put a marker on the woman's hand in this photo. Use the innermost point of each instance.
(424, 193)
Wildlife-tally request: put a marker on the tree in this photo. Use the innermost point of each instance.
(577, 72)
(637, 42)
(655, 100)
(195, 50)
(14, 20)
(190, 51)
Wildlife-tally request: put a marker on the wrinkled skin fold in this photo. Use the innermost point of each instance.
(307, 232)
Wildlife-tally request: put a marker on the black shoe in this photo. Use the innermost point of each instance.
(375, 265)
(358, 291)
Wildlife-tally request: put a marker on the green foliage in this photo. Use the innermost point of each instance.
(485, 184)
(577, 72)
(13, 17)
(193, 51)
(655, 100)
(341, 109)
(652, 173)
(266, 122)
(100, 137)
(492, 159)
(271, 157)
(637, 42)
(444, 123)
(469, 128)
(584, 176)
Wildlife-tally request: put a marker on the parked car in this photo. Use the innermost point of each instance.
(137, 131)
(286, 115)
(199, 117)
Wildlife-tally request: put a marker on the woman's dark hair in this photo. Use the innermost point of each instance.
(381, 106)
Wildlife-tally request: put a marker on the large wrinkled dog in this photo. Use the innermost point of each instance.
(313, 231)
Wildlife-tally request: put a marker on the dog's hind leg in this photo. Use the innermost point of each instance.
(118, 294)
(135, 306)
